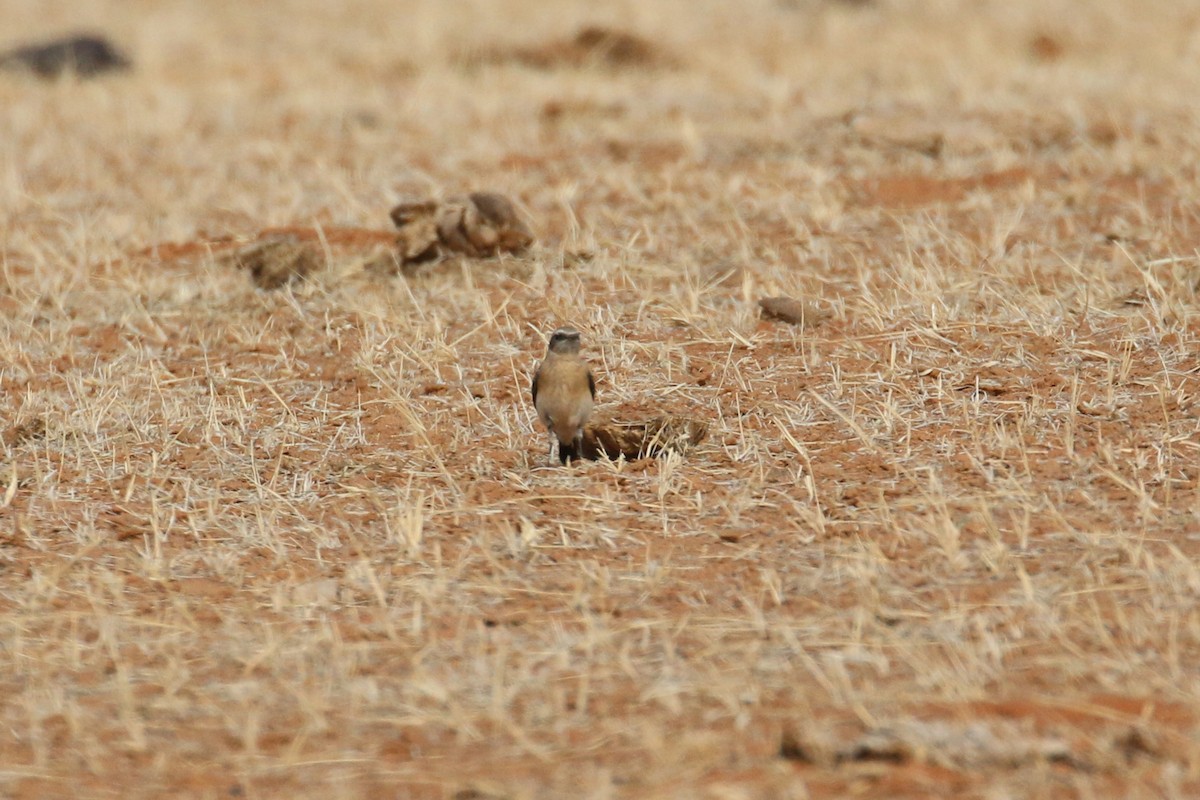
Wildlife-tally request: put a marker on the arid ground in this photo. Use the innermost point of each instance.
(941, 539)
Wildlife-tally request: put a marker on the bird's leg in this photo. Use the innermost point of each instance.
(550, 455)
(571, 452)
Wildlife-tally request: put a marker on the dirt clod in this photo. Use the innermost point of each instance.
(477, 225)
(795, 311)
(23, 432)
(418, 240)
(1044, 47)
(791, 748)
(591, 46)
(274, 263)
(648, 439)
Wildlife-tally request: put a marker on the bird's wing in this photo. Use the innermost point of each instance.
(533, 388)
(592, 384)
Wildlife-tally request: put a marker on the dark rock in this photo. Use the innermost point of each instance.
(84, 55)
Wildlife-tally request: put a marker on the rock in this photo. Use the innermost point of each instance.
(805, 313)
(84, 55)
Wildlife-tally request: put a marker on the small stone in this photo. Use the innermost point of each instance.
(805, 313)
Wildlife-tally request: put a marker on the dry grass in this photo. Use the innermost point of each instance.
(305, 542)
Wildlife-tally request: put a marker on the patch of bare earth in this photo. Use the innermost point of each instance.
(900, 302)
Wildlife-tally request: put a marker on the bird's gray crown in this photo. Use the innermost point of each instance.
(564, 340)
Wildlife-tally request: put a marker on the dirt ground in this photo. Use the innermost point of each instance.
(941, 539)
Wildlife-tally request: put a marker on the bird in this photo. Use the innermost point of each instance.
(564, 391)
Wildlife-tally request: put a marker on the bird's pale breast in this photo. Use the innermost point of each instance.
(564, 399)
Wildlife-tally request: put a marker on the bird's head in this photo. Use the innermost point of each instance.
(564, 341)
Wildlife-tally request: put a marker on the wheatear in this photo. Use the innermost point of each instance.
(563, 393)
